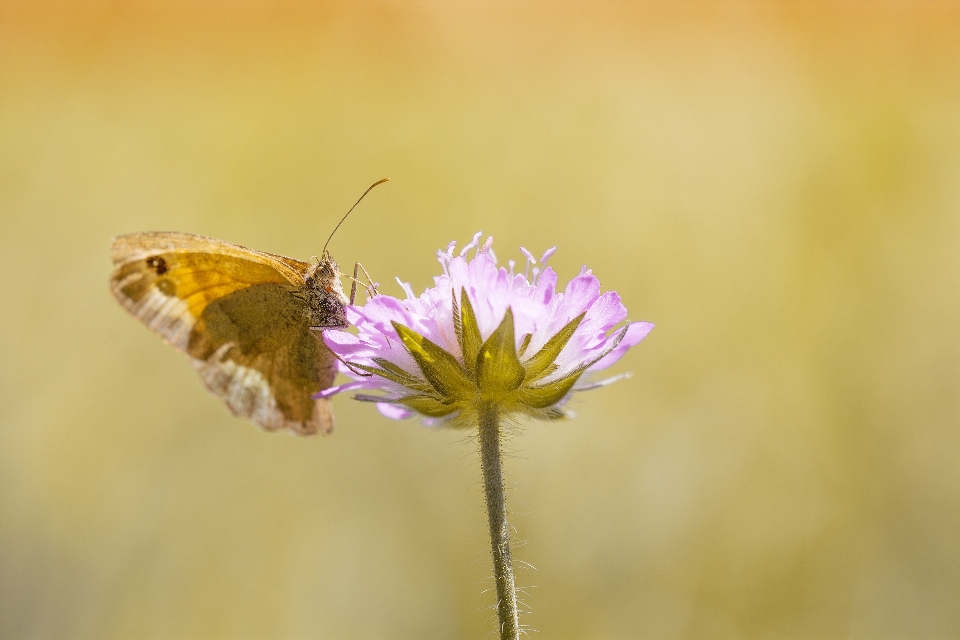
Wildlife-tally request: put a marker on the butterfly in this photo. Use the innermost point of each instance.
(250, 322)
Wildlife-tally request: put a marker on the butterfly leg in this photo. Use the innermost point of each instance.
(371, 289)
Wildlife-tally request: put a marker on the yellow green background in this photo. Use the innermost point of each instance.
(775, 185)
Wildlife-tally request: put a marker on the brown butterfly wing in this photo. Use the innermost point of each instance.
(240, 315)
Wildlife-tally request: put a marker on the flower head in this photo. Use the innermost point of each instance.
(484, 334)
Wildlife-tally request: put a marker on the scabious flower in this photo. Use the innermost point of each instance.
(485, 343)
(484, 335)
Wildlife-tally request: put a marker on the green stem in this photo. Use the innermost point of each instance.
(489, 434)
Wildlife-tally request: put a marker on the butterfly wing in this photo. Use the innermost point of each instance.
(240, 315)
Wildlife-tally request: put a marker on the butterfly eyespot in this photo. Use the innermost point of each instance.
(166, 287)
(158, 264)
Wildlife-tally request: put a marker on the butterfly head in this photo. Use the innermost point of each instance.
(325, 276)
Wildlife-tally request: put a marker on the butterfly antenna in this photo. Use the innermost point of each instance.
(351, 209)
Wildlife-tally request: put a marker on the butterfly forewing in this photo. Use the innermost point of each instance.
(243, 317)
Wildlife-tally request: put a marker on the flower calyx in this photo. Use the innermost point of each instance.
(488, 371)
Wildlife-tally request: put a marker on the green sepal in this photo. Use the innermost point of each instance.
(524, 344)
(617, 338)
(469, 336)
(428, 406)
(553, 413)
(539, 365)
(439, 367)
(457, 321)
(402, 376)
(383, 373)
(399, 372)
(499, 370)
(549, 394)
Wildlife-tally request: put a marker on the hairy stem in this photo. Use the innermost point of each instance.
(489, 435)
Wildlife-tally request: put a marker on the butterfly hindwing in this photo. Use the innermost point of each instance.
(254, 348)
(242, 317)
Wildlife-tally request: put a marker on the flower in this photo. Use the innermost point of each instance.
(483, 334)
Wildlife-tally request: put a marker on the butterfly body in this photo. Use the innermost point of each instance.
(249, 321)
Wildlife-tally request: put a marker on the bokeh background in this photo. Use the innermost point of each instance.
(776, 185)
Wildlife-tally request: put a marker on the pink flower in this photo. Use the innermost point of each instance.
(484, 334)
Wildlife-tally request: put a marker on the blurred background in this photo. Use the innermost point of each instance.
(775, 185)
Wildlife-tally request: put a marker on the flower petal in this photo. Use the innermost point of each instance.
(636, 332)
(363, 383)
(395, 411)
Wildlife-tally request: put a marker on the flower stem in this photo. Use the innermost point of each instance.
(489, 435)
